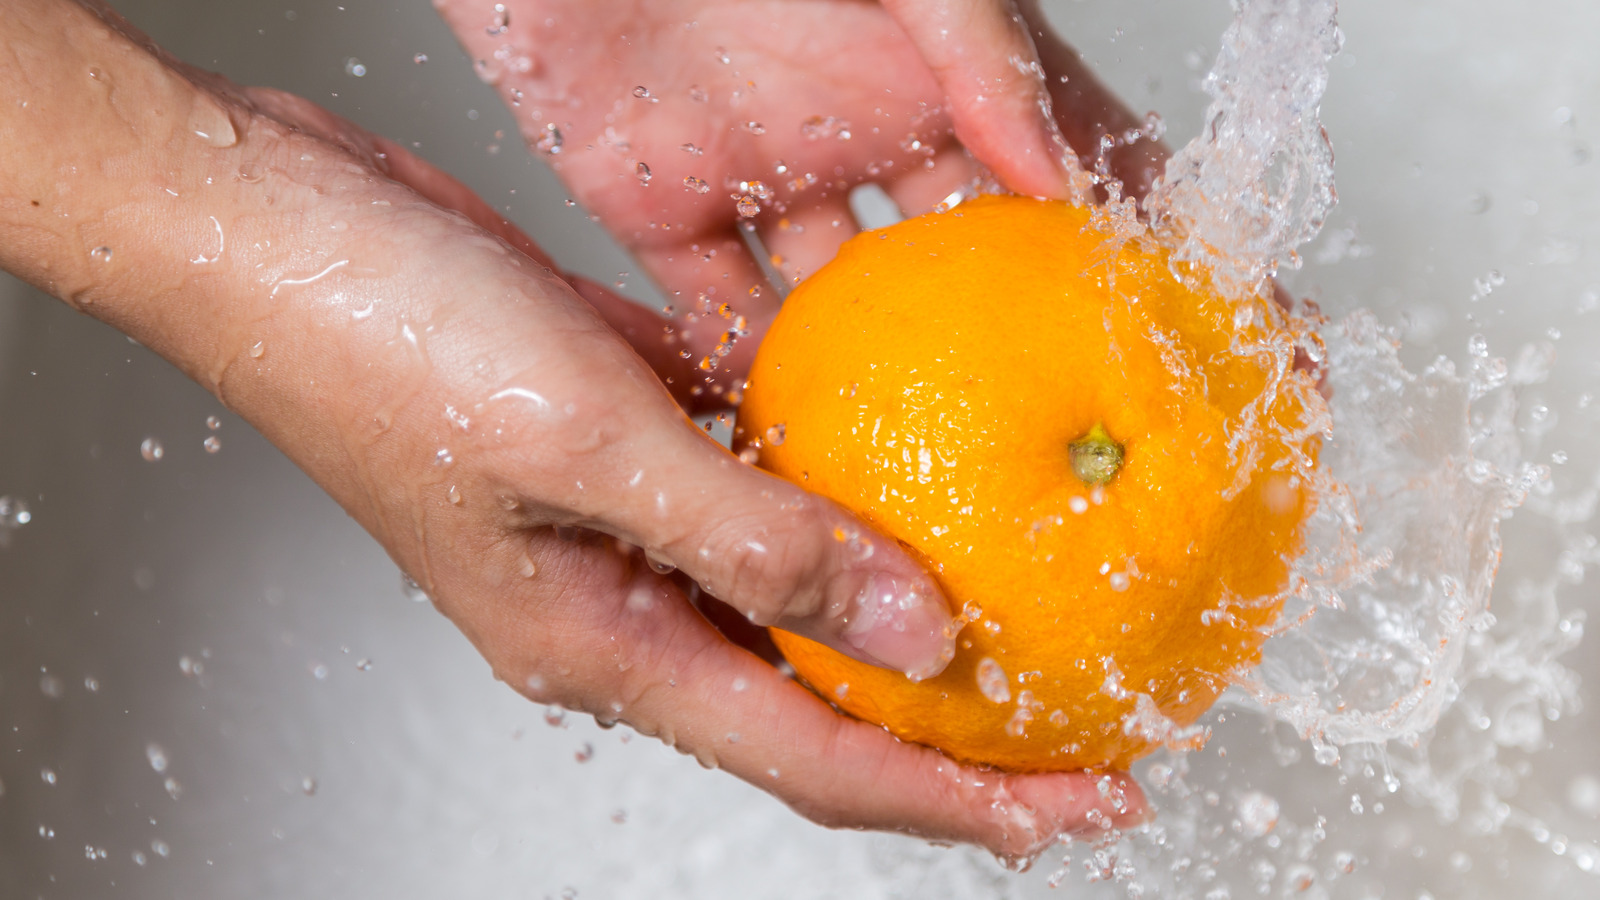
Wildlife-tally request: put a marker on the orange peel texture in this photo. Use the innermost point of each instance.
(940, 379)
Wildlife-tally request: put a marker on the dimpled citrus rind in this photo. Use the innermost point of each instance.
(932, 378)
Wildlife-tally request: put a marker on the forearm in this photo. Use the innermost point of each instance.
(272, 266)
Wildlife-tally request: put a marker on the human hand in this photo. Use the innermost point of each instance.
(788, 105)
(474, 414)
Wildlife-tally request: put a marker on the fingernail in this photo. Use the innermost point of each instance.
(902, 625)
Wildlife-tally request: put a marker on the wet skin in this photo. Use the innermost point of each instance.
(483, 416)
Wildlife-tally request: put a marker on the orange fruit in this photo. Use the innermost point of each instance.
(1106, 472)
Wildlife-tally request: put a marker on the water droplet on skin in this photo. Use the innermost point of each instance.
(992, 681)
(550, 141)
(722, 56)
(101, 254)
(698, 185)
(257, 349)
(659, 565)
(747, 206)
(212, 444)
(690, 149)
(643, 93)
(501, 23)
(643, 173)
(755, 128)
(454, 495)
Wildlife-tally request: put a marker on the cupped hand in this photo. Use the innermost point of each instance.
(676, 122)
(472, 411)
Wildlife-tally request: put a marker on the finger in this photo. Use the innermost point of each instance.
(985, 62)
(1086, 111)
(627, 462)
(665, 671)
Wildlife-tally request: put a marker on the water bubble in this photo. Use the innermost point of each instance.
(690, 149)
(308, 786)
(747, 206)
(411, 590)
(992, 681)
(364, 665)
(101, 254)
(722, 56)
(419, 58)
(355, 67)
(47, 833)
(642, 172)
(555, 717)
(816, 128)
(698, 185)
(643, 93)
(48, 776)
(319, 671)
(501, 23)
(755, 128)
(161, 848)
(1258, 814)
(157, 757)
(659, 565)
(776, 434)
(52, 687)
(212, 444)
(550, 141)
(138, 858)
(584, 753)
(213, 423)
(13, 514)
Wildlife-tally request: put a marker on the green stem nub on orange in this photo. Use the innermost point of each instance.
(1096, 458)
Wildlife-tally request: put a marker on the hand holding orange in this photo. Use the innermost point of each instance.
(1106, 470)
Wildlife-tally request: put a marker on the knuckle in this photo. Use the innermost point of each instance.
(766, 575)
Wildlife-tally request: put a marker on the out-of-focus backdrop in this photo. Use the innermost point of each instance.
(213, 684)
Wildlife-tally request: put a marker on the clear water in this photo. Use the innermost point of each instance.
(318, 733)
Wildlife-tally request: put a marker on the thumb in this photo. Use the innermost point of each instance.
(776, 554)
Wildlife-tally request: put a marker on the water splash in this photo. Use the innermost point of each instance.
(1390, 684)
(1258, 182)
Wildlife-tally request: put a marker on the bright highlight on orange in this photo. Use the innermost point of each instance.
(1106, 472)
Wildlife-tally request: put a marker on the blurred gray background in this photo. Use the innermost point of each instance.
(212, 683)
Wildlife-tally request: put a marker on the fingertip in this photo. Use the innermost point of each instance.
(902, 623)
